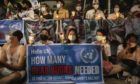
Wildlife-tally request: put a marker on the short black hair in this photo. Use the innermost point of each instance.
(45, 30)
(18, 34)
(28, 3)
(103, 31)
(19, 6)
(131, 35)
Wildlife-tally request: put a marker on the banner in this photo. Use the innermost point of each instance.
(33, 29)
(79, 64)
(91, 27)
(9, 25)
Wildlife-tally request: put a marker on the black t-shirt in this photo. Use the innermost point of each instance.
(48, 16)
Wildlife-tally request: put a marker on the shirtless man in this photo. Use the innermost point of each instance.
(12, 59)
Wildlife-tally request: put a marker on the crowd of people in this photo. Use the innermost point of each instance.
(13, 53)
(25, 11)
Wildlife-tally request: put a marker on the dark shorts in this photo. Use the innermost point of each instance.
(131, 66)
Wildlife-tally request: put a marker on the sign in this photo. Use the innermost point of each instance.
(65, 63)
(33, 29)
(9, 25)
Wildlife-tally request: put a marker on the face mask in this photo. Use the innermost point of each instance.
(100, 38)
(78, 8)
(116, 9)
(43, 9)
(72, 38)
(58, 5)
(96, 6)
(43, 37)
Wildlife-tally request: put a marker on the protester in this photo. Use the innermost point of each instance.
(101, 39)
(28, 13)
(45, 12)
(129, 57)
(117, 14)
(77, 12)
(13, 59)
(15, 11)
(44, 38)
(135, 9)
(72, 36)
(61, 12)
(95, 12)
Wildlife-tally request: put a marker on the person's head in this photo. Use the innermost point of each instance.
(78, 7)
(72, 36)
(95, 6)
(26, 4)
(17, 6)
(44, 7)
(101, 35)
(16, 36)
(60, 4)
(36, 14)
(44, 34)
(131, 40)
(116, 8)
(4, 2)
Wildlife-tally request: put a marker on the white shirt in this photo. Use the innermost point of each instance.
(27, 15)
(92, 15)
(106, 48)
(120, 48)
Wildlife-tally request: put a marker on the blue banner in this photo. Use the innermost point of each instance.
(33, 29)
(10, 25)
(65, 63)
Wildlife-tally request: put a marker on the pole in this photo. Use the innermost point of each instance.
(109, 6)
(84, 7)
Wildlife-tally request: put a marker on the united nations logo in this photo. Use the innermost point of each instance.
(15, 26)
(89, 55)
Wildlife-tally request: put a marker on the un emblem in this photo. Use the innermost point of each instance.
(89, 55)
(15, 26)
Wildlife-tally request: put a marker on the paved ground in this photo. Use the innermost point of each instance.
(114, 81)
